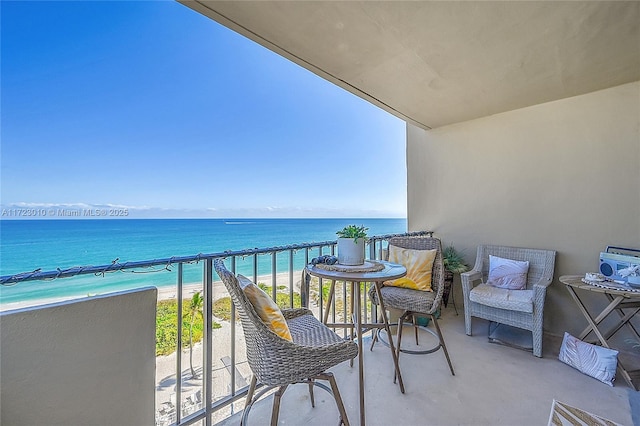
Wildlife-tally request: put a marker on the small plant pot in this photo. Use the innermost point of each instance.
(349, 252)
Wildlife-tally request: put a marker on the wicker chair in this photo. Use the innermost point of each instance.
(276, 362)
(500, 309)
(414, 303)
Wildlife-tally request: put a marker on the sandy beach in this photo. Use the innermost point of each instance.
(164, 292)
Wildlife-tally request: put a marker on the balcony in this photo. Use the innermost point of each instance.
(110, 365)
(514, 136)
(493, 385)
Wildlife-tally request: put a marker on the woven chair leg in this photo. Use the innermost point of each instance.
(252, 390)
(250, 400)
(415, 328)
(467, 318)
(336, 396)
(275, 412)
(537, 348)
(313, 401)
(536, 336)
(444, 347)
(399, 341)
(374, 339)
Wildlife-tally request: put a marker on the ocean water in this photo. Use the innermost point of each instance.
(26, 245)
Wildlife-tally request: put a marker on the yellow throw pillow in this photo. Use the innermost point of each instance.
(419, 264)
(265, 307)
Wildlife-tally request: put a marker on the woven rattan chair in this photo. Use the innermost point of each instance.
(414, 303)
(523, 309)
(276, 362)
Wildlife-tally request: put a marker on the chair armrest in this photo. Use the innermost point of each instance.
(540, 290)
(543, 283)
(468, 278)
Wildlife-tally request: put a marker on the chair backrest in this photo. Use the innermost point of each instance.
(261, 342)
(425, 243)
(541, 262)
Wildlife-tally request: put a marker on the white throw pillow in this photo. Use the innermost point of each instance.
(507, 273)
(595, 361)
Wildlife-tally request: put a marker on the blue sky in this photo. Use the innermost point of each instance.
(155, 108)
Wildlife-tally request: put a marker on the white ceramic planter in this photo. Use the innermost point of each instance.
(349, 252)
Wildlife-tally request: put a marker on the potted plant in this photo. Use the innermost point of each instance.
(351, 244)
(453, 264)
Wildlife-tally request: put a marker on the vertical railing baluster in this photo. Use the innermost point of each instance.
(306, 285)
(333, 300)
(333, 305)
(233, 337)
(274, 278)
(291, 255)
(335, 287)
(208, 344)
(179, 347)
(255, 269)
(364, 292)
(321, 287)
(345, 306)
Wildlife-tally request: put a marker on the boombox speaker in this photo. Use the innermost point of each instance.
(612, 261)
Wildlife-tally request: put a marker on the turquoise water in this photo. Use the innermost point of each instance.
(26, 245)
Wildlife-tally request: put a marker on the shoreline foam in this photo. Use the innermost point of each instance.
(164, 292)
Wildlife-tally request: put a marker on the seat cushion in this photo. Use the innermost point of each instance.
(404, 299)
(513, 300)
(419, 264)
(268, 311)
(306, 330)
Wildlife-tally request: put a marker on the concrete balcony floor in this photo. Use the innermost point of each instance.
(493, 385)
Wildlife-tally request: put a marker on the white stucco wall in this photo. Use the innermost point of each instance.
(84, 362)
(563, 175)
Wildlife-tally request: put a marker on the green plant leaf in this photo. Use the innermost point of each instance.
(453, 261)
(353, 231)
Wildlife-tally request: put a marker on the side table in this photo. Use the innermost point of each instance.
(620, 299)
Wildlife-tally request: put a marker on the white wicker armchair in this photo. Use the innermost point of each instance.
(517, 308)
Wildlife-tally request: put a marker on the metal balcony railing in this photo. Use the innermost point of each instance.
(216, 394)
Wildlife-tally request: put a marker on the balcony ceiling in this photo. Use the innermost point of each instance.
(437, 63)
